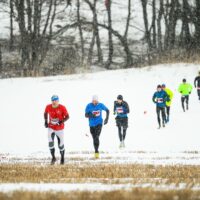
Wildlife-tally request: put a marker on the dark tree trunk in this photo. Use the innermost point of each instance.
(119, 36)
(11, 25)
(129, 59)
(98, 40)
(128, 19)
(1, 62)
(95, 35)
(35, 51)
(46, 39)
(80, 31)
(170, 24)
(154, 23)
(29, 15)
(146, 24)
(159, 35)
(90, 53)
(24, 43)
(197, 23)
(110, 40)
(34, 43)
(185, 33)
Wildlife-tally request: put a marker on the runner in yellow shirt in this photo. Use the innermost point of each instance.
(168, 103)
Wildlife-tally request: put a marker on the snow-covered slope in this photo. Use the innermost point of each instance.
(23, 102)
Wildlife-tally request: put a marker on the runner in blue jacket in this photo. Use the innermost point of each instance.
(93, 112)
(160, 98)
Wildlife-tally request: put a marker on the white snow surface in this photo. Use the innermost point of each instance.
(23, 101)
(92, 187)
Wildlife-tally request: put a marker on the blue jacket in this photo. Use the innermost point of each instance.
(121, 109)
(94, 113)
(160, 98)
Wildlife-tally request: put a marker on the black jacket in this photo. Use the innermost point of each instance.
(197, 81)
(124, 107)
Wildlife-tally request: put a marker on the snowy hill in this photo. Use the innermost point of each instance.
(23, 102)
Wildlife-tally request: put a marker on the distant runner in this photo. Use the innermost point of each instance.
(168, 103)
(159, 98)
(197, 84)
(185, 89)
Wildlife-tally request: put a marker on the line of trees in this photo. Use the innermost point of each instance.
(168, 25)
(182, 13)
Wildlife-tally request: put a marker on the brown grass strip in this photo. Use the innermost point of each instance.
(51, 174)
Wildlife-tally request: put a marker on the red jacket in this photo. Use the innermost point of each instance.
(55, 115)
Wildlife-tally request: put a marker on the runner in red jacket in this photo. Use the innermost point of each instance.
(55, 115)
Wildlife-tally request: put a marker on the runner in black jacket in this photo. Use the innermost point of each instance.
(197, 84)
(121, 109)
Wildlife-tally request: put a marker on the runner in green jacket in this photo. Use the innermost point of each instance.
(185, 89)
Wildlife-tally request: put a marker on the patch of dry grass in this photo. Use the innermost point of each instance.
(11, 173)
(135, 194)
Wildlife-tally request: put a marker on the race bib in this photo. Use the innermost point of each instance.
(96, 113)
(120, 110)
(54, 121)
(160, 100)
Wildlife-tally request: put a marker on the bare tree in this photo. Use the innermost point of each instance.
(129, 59)
(154, 44)
(11, 25)
(146, 24)
(35, 36)
(185, 32)
(128, 19)
(110, 40)
(96, 35)
(170, 23)
(197, 23)
(159, 30)
(1, 62)
(80, 31)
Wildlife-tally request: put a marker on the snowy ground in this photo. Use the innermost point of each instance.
(24, 138)
(66, 187)
(23, 102)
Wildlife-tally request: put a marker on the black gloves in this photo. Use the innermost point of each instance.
(107, 116)
(60, 122)
(90, 115)
(105, 121)
(46, 124)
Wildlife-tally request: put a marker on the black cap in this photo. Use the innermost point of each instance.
(159, 86)
(120, 97)
(184, 80)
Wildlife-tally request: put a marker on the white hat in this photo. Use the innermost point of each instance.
(95, 98)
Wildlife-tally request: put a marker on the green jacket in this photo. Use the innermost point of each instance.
(170, 94)
(185, 88)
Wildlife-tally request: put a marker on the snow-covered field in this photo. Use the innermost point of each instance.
(23, 102)
(24, 138)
